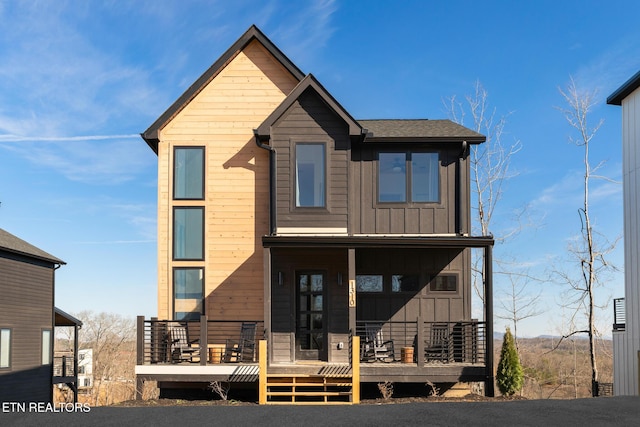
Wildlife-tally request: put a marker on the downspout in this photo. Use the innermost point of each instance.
(272, 180)
(459, 210)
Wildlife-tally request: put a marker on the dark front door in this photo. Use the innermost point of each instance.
(310, 316)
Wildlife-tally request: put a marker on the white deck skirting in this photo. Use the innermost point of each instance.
(221, 369)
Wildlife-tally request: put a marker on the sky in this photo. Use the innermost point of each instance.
(79, 81)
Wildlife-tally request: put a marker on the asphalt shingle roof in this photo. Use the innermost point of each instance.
(445, 130)
(11, 243)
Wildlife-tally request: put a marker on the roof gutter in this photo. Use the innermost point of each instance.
(272, 181)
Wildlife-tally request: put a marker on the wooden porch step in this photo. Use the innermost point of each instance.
(308, 389)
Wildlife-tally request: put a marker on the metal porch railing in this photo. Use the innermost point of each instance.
(207, 340)
(426, 342)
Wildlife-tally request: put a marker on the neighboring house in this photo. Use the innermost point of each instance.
(28, 317)
(85, 368)
(626, 330)
(277, 208)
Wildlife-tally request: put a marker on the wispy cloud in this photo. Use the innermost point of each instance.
(18, 138)
(309, 29)
(600, 74)
(57, 80)
(569, 190)
(97, 159)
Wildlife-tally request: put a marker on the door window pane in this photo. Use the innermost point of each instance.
(188, 288)
(392, 177)
(188, 233)
(425, 177)
(188, 174)
(310, 175)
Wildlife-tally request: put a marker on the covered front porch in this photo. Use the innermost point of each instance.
(214, 351)
(408, 299)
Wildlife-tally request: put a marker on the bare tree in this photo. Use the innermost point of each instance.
(490, 164)
(112, 338)
(519, 303)
(589, 248)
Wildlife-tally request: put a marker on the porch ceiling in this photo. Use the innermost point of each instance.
(373, 241)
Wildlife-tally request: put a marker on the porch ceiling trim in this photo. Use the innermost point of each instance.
(377, 242)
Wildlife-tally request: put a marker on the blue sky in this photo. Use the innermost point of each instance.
(80, 80)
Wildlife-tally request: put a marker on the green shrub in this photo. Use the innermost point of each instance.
(510, 375)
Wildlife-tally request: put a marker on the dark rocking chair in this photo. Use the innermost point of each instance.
(181, 348)
(439, 347)
(243, 349)
(374, 347)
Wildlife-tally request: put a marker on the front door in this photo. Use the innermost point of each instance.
(310, 316)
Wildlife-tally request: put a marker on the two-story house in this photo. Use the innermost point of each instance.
(334, 240)
(28, 318)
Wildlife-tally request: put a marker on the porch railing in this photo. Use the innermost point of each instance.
(447, 342)
(207, 339)
(619, 314)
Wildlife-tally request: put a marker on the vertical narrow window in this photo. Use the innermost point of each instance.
(188, 173)
(5, 348)
(425, 177)
(310, 175)
(188, 233)
(188, 293)
(46, 346)
(392, 177)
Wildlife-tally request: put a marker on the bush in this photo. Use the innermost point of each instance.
(510, 375)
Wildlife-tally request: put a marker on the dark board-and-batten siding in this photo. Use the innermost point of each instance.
(310, 120)
(372, 217)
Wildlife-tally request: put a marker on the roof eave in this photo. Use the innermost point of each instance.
(151, 135)
(430, 139)
(625, 90)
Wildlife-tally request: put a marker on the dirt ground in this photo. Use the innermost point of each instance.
(376, 401)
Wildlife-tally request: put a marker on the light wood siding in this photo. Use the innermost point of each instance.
(371, 217)
(631, 187)
(310, 120)
(408, 306)
(222, 118)
(283, 322)
(26, 307)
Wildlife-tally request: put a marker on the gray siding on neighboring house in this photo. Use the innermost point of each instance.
(26, 307)
(310, 120)
(626, 362)
(371, 217)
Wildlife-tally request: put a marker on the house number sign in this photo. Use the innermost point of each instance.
(352, 293)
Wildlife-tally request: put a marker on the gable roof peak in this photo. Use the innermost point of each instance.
(309, 81)
(151, 135)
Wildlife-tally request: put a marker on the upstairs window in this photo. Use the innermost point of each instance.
(188, 173)
(188, 233)
(408, 177)
(310, 176)
(188, 293)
